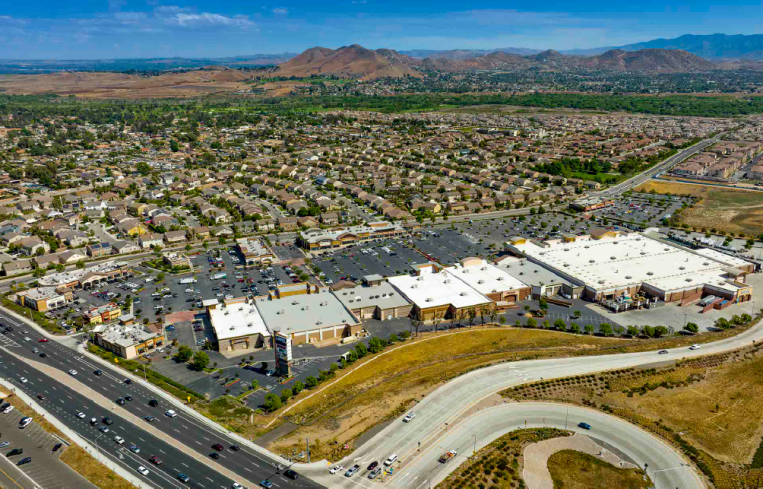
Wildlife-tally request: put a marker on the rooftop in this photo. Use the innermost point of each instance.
(432, 289)
(484, 277)
(383, 295)
(236, 320)
(304, 312)
(124, 336)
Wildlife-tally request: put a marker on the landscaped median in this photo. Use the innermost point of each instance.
(40, 319)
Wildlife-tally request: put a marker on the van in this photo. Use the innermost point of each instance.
(391, 459)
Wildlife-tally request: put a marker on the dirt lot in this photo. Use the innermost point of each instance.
(730, 210)
(576, 470)
(119, 85)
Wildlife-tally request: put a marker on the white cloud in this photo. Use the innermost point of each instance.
(209, 19)
(282, 11)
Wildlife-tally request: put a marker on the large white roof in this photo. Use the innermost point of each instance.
(626, 260)
(485, 277)
(437, 289)
(237, 320)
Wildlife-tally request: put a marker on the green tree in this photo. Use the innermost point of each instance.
(660, 331)
(375, 345)
(255, 384)
(311, 382)
(560, 325)
(532, 323)
(298, 387)
(184, 353)
(691, 328)
(285, 395)
(605, 329)
(575, 328)
(589, 328)
(272, 403)
(633, 331)
(361, 350)
(200, 360)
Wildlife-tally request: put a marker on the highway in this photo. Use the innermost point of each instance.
(658, 168)
(454, 403)
(183, 443)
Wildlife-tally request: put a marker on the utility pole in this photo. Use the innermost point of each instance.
(307, 441)
(565, 418)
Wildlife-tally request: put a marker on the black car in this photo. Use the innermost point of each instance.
(121, 401)
(98, 372)
(153, 403)
(214, 455)
(57, 446)
(24, 461)
(235, 448)
(15, 451)
(373, 465)
(291, 474)
(128, 381)
(108, 421)
(128, 398)
(43, 355)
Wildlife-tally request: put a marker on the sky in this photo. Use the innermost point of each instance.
(104, 29)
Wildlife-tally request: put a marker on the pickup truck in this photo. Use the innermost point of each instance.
(447, 457)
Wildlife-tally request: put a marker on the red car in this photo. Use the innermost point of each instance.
(43, 340)
(155, 460)
(218, 447)
(241, 280)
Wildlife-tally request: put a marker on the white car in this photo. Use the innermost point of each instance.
(8, 410)
(27, 338)
(81, 415)
(23, 380)
(25, 422)
(409, 417)
(119, 440)
(170, 413)
(694, 347)
(335, 469)
(72, 372)
(143, 470)
(236, 485)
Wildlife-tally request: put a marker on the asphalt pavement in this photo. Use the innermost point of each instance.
(183, 430)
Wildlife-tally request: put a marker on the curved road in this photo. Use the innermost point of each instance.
(665, 466)
(452, 401)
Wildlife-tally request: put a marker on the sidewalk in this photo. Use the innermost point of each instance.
(118, 469)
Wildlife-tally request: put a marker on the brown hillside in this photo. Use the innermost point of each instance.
(348, 61)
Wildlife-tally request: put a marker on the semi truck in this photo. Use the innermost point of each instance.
(219, 276)
(187, 281)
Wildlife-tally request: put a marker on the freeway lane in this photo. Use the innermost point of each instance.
(247, 464)
(63, 402)
(450, 402)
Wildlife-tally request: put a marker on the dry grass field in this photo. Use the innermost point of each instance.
(389, 383)
(120, 85)
(576, 470)
(709, 407)
(724, 209)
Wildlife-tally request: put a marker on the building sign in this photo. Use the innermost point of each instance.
(283, 347)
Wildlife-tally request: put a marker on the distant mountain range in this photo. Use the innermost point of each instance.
(357, 61)
(727, 51)
(715, 47)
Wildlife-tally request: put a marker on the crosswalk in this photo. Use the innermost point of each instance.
(7, 342)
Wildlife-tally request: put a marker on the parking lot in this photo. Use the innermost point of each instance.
(644, 210)
(386, 258)
(44, 468)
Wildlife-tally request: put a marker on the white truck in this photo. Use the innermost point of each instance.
(219, 276)
(187, 281)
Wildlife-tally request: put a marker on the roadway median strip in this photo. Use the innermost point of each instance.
(105, 403)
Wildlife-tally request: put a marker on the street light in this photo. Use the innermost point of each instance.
(96, 445)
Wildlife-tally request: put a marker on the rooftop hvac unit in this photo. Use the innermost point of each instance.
(688, 279)
(586, 246)
(682, 268)
(351, 301)
(706, 263)
(591, 261)
(601, 281)
(483, 268)
(241, 308)
(613, 258)
(628, 277)
(226, 312)
(429, 299)
(462, 294)
(294, 303)
(650, 273)
(499, 279)
(318, 323)
(480, 281)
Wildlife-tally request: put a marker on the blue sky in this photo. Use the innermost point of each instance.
(93, 29)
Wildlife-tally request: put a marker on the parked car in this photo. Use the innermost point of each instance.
(351, 471)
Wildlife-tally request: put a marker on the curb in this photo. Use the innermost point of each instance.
(118, 469)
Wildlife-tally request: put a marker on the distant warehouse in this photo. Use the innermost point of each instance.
(613, 264)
